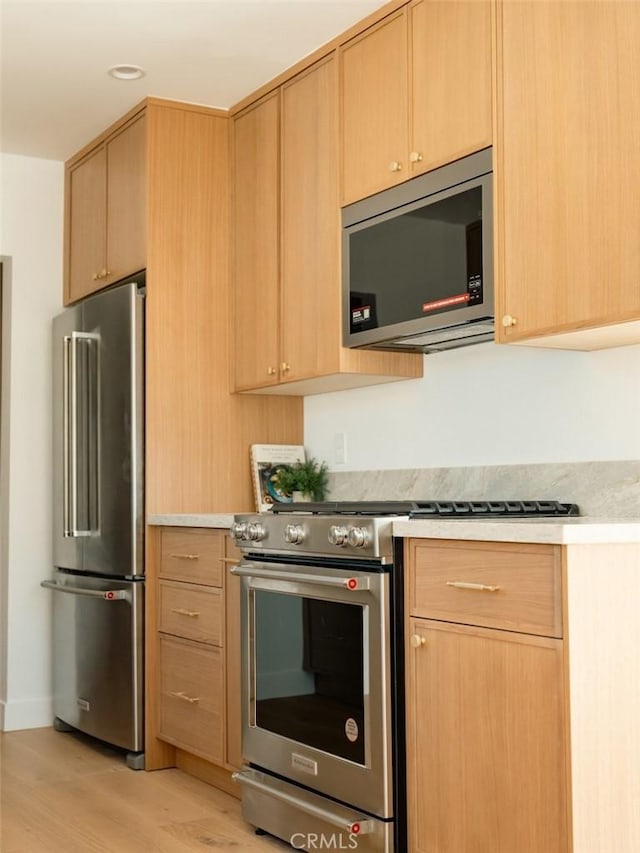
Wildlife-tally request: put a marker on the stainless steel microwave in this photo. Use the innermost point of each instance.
(417, 261)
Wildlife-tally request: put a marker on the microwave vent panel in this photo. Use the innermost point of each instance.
(451, 337)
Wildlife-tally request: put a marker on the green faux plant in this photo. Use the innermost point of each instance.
(309, 477)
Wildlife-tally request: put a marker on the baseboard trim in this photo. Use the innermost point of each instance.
(27, 714)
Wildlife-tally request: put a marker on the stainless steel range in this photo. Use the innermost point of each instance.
(323, 668)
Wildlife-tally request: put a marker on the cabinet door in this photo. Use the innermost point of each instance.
(310, 299)
(486, 765)
(256, 229)
(567, 143)
(450, 47)
(127, 201)
(374, 108)
(87, 225)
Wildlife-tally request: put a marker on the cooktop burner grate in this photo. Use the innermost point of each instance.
(491, 509)
(435, 509)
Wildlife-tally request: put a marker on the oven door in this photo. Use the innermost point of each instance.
(316, 705)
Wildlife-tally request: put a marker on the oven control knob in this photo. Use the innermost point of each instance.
(358, 537)
(255, 532)
(337, 535)
(238, 530)
(294, 534)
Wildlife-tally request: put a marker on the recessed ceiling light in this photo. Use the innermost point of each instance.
(126, 72)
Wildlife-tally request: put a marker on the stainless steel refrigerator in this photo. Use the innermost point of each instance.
(98, 518)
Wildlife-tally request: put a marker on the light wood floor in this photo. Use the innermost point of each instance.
(64, 793)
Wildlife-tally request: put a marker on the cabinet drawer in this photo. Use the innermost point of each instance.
(509, 586)
(192, 555)
(190, 611)
(192, 697)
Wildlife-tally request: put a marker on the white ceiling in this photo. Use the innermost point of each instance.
(56, 94)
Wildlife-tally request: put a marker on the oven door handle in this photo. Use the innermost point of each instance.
(357, 825)
(354, 583)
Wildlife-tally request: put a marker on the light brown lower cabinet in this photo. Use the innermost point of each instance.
(488, 730)
(192, 712)
(193, 655)
(525, 740)
(486, 716)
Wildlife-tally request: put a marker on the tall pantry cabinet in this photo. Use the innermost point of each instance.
(197, 432)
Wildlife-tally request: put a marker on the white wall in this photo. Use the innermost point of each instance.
(31, 235)
(487, 405)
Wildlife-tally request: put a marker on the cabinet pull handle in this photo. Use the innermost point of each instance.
(185, 698)
(233, 561)
(271, 371)
(417, 641)
(182, 612)
(185, 556)
(395, 166)
(284, 367)
(508, 320)
(415, 157)
(482, 587)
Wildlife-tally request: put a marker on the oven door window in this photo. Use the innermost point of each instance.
(309, 672)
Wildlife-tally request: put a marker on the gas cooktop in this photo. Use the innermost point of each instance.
(434, 509)
(363, 529)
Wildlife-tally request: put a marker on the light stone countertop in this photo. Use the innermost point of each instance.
(568, 531)
(219, 520)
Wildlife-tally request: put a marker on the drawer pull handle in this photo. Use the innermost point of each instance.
(185, 698)
(482, 587)
(185, 556)
(182, 612)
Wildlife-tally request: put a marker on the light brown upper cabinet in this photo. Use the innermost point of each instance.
(450, 81)
(287, 285)
(416, 93)
(374, 108)
(256, 229)
(568, 173)
(106, 212)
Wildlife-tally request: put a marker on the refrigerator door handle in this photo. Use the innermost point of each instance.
(81, 464)
(67, 478)
(108, 595)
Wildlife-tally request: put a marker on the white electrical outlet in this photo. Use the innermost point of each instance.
(340, 448)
